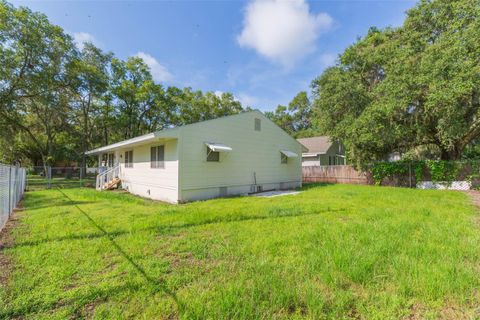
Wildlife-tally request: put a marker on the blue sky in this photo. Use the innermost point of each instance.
(263, 51)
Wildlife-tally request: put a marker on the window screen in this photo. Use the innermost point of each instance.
(258, 124)
(157, 157)
(129, 159)
(332, 160)
(213, 156)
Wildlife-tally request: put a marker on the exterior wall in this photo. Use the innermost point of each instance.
(155, 183)
(310, 161)
(254, 154)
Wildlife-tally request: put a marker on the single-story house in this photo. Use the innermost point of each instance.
(233, 155)
(322, 151)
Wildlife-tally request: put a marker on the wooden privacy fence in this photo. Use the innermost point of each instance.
(333, 174)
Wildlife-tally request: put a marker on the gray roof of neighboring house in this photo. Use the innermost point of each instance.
(316, 145)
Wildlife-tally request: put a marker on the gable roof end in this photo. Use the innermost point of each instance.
(317, 145)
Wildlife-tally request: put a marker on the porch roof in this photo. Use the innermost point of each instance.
(137, 141)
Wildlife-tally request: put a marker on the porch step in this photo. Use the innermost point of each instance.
(112, 184)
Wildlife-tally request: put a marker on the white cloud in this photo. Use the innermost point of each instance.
(80, 38)
(327, 59)
(159, 72)
(282, 30)
(247, 100)
(218, 93)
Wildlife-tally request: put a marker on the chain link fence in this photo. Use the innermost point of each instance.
(12, 186)
(46, 177)
(429, 174)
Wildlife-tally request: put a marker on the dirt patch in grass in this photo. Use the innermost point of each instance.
(475, 197)
(6, 241)
(417, 311)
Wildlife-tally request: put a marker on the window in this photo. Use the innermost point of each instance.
(212, 156)
(157, 157)
(129, 159)
(283, 158)
(258, 124)
(332, 160)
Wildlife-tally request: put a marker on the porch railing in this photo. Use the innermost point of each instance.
(107, 176)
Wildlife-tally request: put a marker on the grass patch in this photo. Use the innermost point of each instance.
(333, 251)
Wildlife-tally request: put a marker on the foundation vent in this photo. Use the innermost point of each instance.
(223, 191)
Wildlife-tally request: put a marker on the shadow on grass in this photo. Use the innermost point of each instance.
(166, 229)
(77, 302)
(311, 185)
(98, 294)
(86, 236)
(36, 201)
(154, 282)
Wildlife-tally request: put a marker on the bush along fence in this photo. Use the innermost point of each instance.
(12, 186)
(429, 174)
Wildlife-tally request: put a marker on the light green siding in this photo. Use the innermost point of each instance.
(256, 154)
(254, 162)
(155, 183)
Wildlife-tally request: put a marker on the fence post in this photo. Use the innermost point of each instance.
(410, 174)
(9, 191)
(49, 179)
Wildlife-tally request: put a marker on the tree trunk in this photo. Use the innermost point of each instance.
(450, 155)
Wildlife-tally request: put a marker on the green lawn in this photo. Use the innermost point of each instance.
(333, 251)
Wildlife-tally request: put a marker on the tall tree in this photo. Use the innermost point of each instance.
(296, 119)
(193, 105)
(33, 59)
(90, 80)
(56, 102)
(139, 99)
(417, 85)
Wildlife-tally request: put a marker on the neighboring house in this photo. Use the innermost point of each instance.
(394, 156)
(232, 155)
(322, 151)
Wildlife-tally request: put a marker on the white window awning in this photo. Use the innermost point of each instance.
(289, 154)
(218, 147)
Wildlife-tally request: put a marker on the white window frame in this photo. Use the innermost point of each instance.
(155, 163)
(129, 159)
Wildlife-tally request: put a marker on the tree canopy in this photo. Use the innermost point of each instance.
(296, 118)
(57, 101)
(414, 89)
(407, 88)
